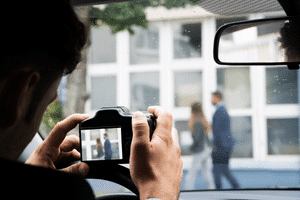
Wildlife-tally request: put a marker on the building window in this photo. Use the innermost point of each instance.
(103, 45)
(103, 92)
(234, 83)
(188, 88)
(144, 90)
(144, 45)
(187, 40)
(185, 137)
(241, 128)
(282, 86)
(283, 136)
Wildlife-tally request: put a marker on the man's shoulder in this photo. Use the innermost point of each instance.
(221, 109)
(21, 180)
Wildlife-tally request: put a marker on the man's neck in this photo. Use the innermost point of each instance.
(13, 141)
(219, 104)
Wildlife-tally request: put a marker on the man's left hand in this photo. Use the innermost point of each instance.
(58, 149)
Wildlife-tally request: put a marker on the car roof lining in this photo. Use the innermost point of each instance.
(220, 7)
(240, 7)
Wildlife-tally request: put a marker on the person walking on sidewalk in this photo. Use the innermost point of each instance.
(222, 143)
(201, 149)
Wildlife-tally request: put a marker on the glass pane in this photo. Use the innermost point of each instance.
(188, 88)
(234, 83)
(103, 92)
(144, 90)
(283, 136)
(103, 45)
(144, 45)
(241, 128)
(185, 137)
(282, 86)
(187, 40)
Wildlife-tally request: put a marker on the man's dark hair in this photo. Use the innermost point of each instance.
(106, 134)
(45, 34)
(289, 38)
(218, 94)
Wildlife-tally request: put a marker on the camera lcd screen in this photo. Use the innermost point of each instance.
(101, 144)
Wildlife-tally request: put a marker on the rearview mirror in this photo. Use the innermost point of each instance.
(259, 42)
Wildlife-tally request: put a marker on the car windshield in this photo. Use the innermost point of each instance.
(170, 63)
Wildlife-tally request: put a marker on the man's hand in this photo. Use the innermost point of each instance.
(58, 149)
(156, 165)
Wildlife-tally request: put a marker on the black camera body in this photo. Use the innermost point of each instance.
(107, 136)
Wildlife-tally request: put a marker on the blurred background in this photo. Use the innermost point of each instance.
(168, 61)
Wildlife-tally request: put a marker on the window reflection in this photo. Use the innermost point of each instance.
(188, 88)
(103, 85)
(187, 40)
(241, 128)
(103, 45)
(282, 86)
(144, 90)
(234, 83)
(283, 136)
(144, 45)
(185, 137)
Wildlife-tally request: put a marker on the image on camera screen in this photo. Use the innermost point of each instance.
(101, 144)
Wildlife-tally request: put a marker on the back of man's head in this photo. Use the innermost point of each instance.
(41, 41)
(218, 94)
(39, 32)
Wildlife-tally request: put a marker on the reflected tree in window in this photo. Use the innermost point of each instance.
(187, 40)
(282, 86)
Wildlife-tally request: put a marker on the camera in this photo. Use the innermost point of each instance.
(107, 136)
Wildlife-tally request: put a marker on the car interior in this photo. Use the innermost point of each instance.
(185, 54)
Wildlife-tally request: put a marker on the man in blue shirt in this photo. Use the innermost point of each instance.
(222, 143)
(107, 148)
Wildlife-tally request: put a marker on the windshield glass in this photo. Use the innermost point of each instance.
(170, 63)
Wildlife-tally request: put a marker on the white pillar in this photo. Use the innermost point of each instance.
(210, 72)
(123, 61)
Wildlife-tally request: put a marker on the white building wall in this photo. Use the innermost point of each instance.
(167, 67)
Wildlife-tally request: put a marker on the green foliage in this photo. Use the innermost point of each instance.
(53, 115)
(179, 3)
(122, 16)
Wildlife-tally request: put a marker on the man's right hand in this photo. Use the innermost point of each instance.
(156, 165)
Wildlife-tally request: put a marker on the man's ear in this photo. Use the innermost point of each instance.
(16, 93)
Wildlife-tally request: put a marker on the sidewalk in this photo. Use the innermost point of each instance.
(256, 178)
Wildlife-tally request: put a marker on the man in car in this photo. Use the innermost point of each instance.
(42, 41)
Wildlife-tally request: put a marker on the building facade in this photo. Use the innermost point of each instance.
(171, 64)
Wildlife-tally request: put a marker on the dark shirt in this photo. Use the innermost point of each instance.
(21, 181)
(221, 128)
(99, 151)
(198, 137)
(107, 148)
